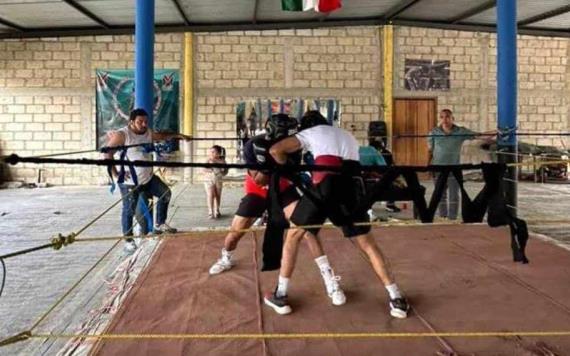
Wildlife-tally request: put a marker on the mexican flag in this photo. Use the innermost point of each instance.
(308, 5)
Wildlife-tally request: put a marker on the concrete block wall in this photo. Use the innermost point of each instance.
(47, 86)
(47, 96)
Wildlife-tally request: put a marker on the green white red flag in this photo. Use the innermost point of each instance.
(311, 5)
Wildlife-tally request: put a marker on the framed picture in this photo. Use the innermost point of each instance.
(426, 75)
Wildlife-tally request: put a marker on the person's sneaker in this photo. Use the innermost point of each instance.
(399, 308)
(279, 304)
(334, 290)
(130, 247)
(164, 229)
(221, 265)
(393, 208)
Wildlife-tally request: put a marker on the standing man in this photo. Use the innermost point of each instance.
(146, 182)
(444, 144)
(331, 146)
(255, 202)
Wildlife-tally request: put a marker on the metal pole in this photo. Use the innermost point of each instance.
(507, 92)
(144, 56)
(144, 67)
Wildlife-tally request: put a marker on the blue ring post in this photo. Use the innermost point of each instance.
(507, 91)
(144, 67)
(144, 56)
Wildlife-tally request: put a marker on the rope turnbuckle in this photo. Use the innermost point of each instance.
(25, 335)
(60, 240)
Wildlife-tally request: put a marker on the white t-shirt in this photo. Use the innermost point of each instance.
(144, 174)
(324, 140)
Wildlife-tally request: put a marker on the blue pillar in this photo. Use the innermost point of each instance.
(144, 56)
(144, 67)
(507, 91)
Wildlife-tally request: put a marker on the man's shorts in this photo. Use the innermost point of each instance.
(308, 213)
(253, 205)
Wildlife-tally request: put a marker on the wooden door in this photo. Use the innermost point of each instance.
(412, 117)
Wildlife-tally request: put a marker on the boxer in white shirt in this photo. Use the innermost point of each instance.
(331, 146)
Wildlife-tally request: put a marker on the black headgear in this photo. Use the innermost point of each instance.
(280, 125)
(313, 118)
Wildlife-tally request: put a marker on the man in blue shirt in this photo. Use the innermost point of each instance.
(444, 143)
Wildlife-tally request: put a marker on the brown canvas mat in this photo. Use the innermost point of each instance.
(458, 279)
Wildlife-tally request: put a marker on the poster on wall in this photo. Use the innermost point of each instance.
(115, 98)
(251, 115)
(426, 75)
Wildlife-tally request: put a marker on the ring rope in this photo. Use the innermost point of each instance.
(73, 236)
(105, 149)
(15, 159)
(197, 233)
(193, 233)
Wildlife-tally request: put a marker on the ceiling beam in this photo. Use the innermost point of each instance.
(181, 12)
(87, 13)
(324, 16)
(474, 11)
(547, 32)
(544, 16)
(254, 17)
(260, 26)
(11, 25)
(398, 9)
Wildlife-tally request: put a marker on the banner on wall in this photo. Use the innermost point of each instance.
(115, 98)
(426, 75)
(251, 115)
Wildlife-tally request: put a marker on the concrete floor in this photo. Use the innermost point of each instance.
(30, 217)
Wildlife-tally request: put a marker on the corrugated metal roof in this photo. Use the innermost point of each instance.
(554, 22)
(36, 18)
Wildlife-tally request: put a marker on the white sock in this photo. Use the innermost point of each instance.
(323, 263)
(227, 254)
(393, 291)
(282, 286)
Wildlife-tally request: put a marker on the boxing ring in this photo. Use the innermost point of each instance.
(467, 297)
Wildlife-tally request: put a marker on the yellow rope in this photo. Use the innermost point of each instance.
(387, 335)
(197, 233)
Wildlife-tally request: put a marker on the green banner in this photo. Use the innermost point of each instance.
(116, 97)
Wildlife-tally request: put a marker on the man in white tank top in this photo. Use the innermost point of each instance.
(137, 132)
(331, 146)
